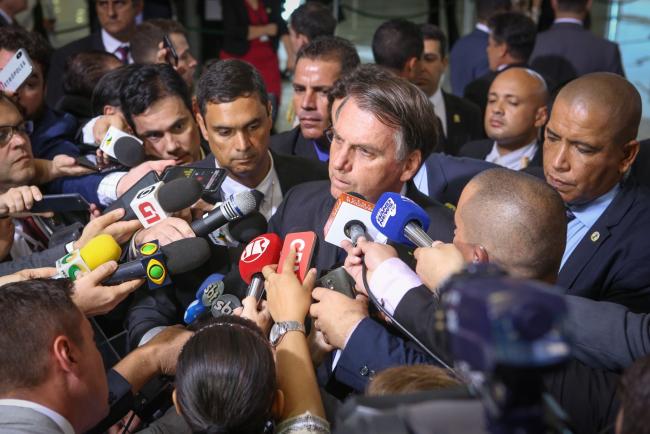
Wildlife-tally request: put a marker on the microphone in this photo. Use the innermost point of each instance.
(351, 208)
(225, 304)
(248, 227)
(303, 243)
(156, 202)
(237, 206)
(157, 263)
(122, 147)
(211, 288)
(97, 251)
(401, 220)
(193, 311)
(260, 252)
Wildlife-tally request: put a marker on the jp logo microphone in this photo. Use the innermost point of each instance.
(401, 220)
(97, 251)
(122, 147)
(260, 252)
(158, 201)
(237, 206)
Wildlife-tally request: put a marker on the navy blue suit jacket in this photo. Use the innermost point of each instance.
(611, 262)
(468, 60)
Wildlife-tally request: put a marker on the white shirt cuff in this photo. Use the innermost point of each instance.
(87, 131)
(391, 281)
(107, 189)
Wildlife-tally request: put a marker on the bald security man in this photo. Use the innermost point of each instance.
(590, 144)
(515, 113)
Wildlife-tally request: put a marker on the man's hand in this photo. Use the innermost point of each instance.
(94, 299)
(105, 122)
(165, 348)
(372, 253)
(28, 274)
(336, 315)
(260, 315)
(108, 224)
(166, 231)
(287, 298)
(7, 229)
(318, 346)
(438, 262)
(19, 199)
(135, 174)
(65, 165)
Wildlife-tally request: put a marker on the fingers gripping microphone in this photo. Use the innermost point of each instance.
(97, 251)
(122, 147)
(156, 202)
(239, 205)
(157, 263)
(401, 220)
(303, 243)
(260, 252)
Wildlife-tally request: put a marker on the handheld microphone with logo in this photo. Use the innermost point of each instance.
(348, 208)
(211, 288)
(237, 206)
(225, 304)
(158, 263)
(97, 251)
(122, 147)
(260, 252)
(248, 227)
(303, 243)
(401, 220)
(156, 202)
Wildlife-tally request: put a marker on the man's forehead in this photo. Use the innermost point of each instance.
(241, 109)
(324, 68)
(431, 46)
(165, 111)
(9, 114)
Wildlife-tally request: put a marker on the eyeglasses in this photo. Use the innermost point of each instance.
(7, 131)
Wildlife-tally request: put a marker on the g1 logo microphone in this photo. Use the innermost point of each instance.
(303, 243)
(146, 205)
(153, 262)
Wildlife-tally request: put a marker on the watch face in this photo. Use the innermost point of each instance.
(275, 333)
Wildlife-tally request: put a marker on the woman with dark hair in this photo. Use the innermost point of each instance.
(227, 380)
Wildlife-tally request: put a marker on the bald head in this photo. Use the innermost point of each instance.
(611, 99)
(518, 219)
(530, 83)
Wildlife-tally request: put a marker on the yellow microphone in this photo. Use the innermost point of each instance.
(97, 251)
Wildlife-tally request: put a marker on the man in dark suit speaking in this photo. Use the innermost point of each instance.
(383, 130)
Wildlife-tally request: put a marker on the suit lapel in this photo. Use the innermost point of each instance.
(596, 237)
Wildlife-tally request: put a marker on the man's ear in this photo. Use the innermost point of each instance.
(411, 165)
(479, 254)
(630, 151)
(278, 405)
(269, 112)
(541, 116)
(65, 354)
(409, 68)
(175, 401)
(200, 121)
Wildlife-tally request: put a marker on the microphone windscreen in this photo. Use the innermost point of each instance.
(247, 201)
(128, 151)
(393, 212)
(248, 227)
(179, 194)
(260, 252)
(186, 254)
(99, 250)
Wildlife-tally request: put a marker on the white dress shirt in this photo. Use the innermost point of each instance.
(516, 160)
(61, 421)
(111, 45)
(568, 20)
(440, 109)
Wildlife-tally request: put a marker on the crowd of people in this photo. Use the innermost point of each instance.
(531, 166)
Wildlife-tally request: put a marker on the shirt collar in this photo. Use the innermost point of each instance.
(568, 20)
(482, 27)
(231, 187)
(61, 421)
(111, 44)
(437, 99)
(514, 159)
(589, 213)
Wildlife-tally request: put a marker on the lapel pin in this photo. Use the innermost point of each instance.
(595, 236)
(456, 118)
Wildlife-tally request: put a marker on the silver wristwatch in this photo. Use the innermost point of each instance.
(279, 329)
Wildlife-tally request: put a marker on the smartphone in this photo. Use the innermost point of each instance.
(211, 179)
(85, 162)
(60, 203)
(338, 280)
(172, 56)
(16, 71)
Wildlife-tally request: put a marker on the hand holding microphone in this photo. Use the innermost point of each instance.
(437, 263)
(368, 252)
(259, 253)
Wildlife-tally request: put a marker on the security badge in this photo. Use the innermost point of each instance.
(153, 262)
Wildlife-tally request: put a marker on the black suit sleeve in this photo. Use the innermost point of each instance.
(46, 258)
(416, 313)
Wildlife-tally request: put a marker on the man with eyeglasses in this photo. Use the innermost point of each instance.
(117, 20)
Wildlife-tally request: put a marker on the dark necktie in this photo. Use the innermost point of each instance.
(123, 54)
(569, 215)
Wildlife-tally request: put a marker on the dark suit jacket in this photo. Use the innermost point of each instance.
(307, 207)
(567, 50)
(59, 57)
(641, 166)
(235, 25)
(292, 142)
(611, 262)
(165, 306)
(468, 60)
(464, 123)
(479, 149)
(447, 175)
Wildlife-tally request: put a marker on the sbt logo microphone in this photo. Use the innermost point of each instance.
(146, 205)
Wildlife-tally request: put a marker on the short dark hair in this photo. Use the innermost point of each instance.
(147, 36)
(433, 33)
(34, 313)
(394, 102)
(227, 80)
(225, 378)
(635, 397)
(107, 89)
(313, 19)
(486, 8)
(331, 48)
(13, 38)
(395, 42)
(147, 84)
(578, 6)
(517, 31)
(84, 70)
